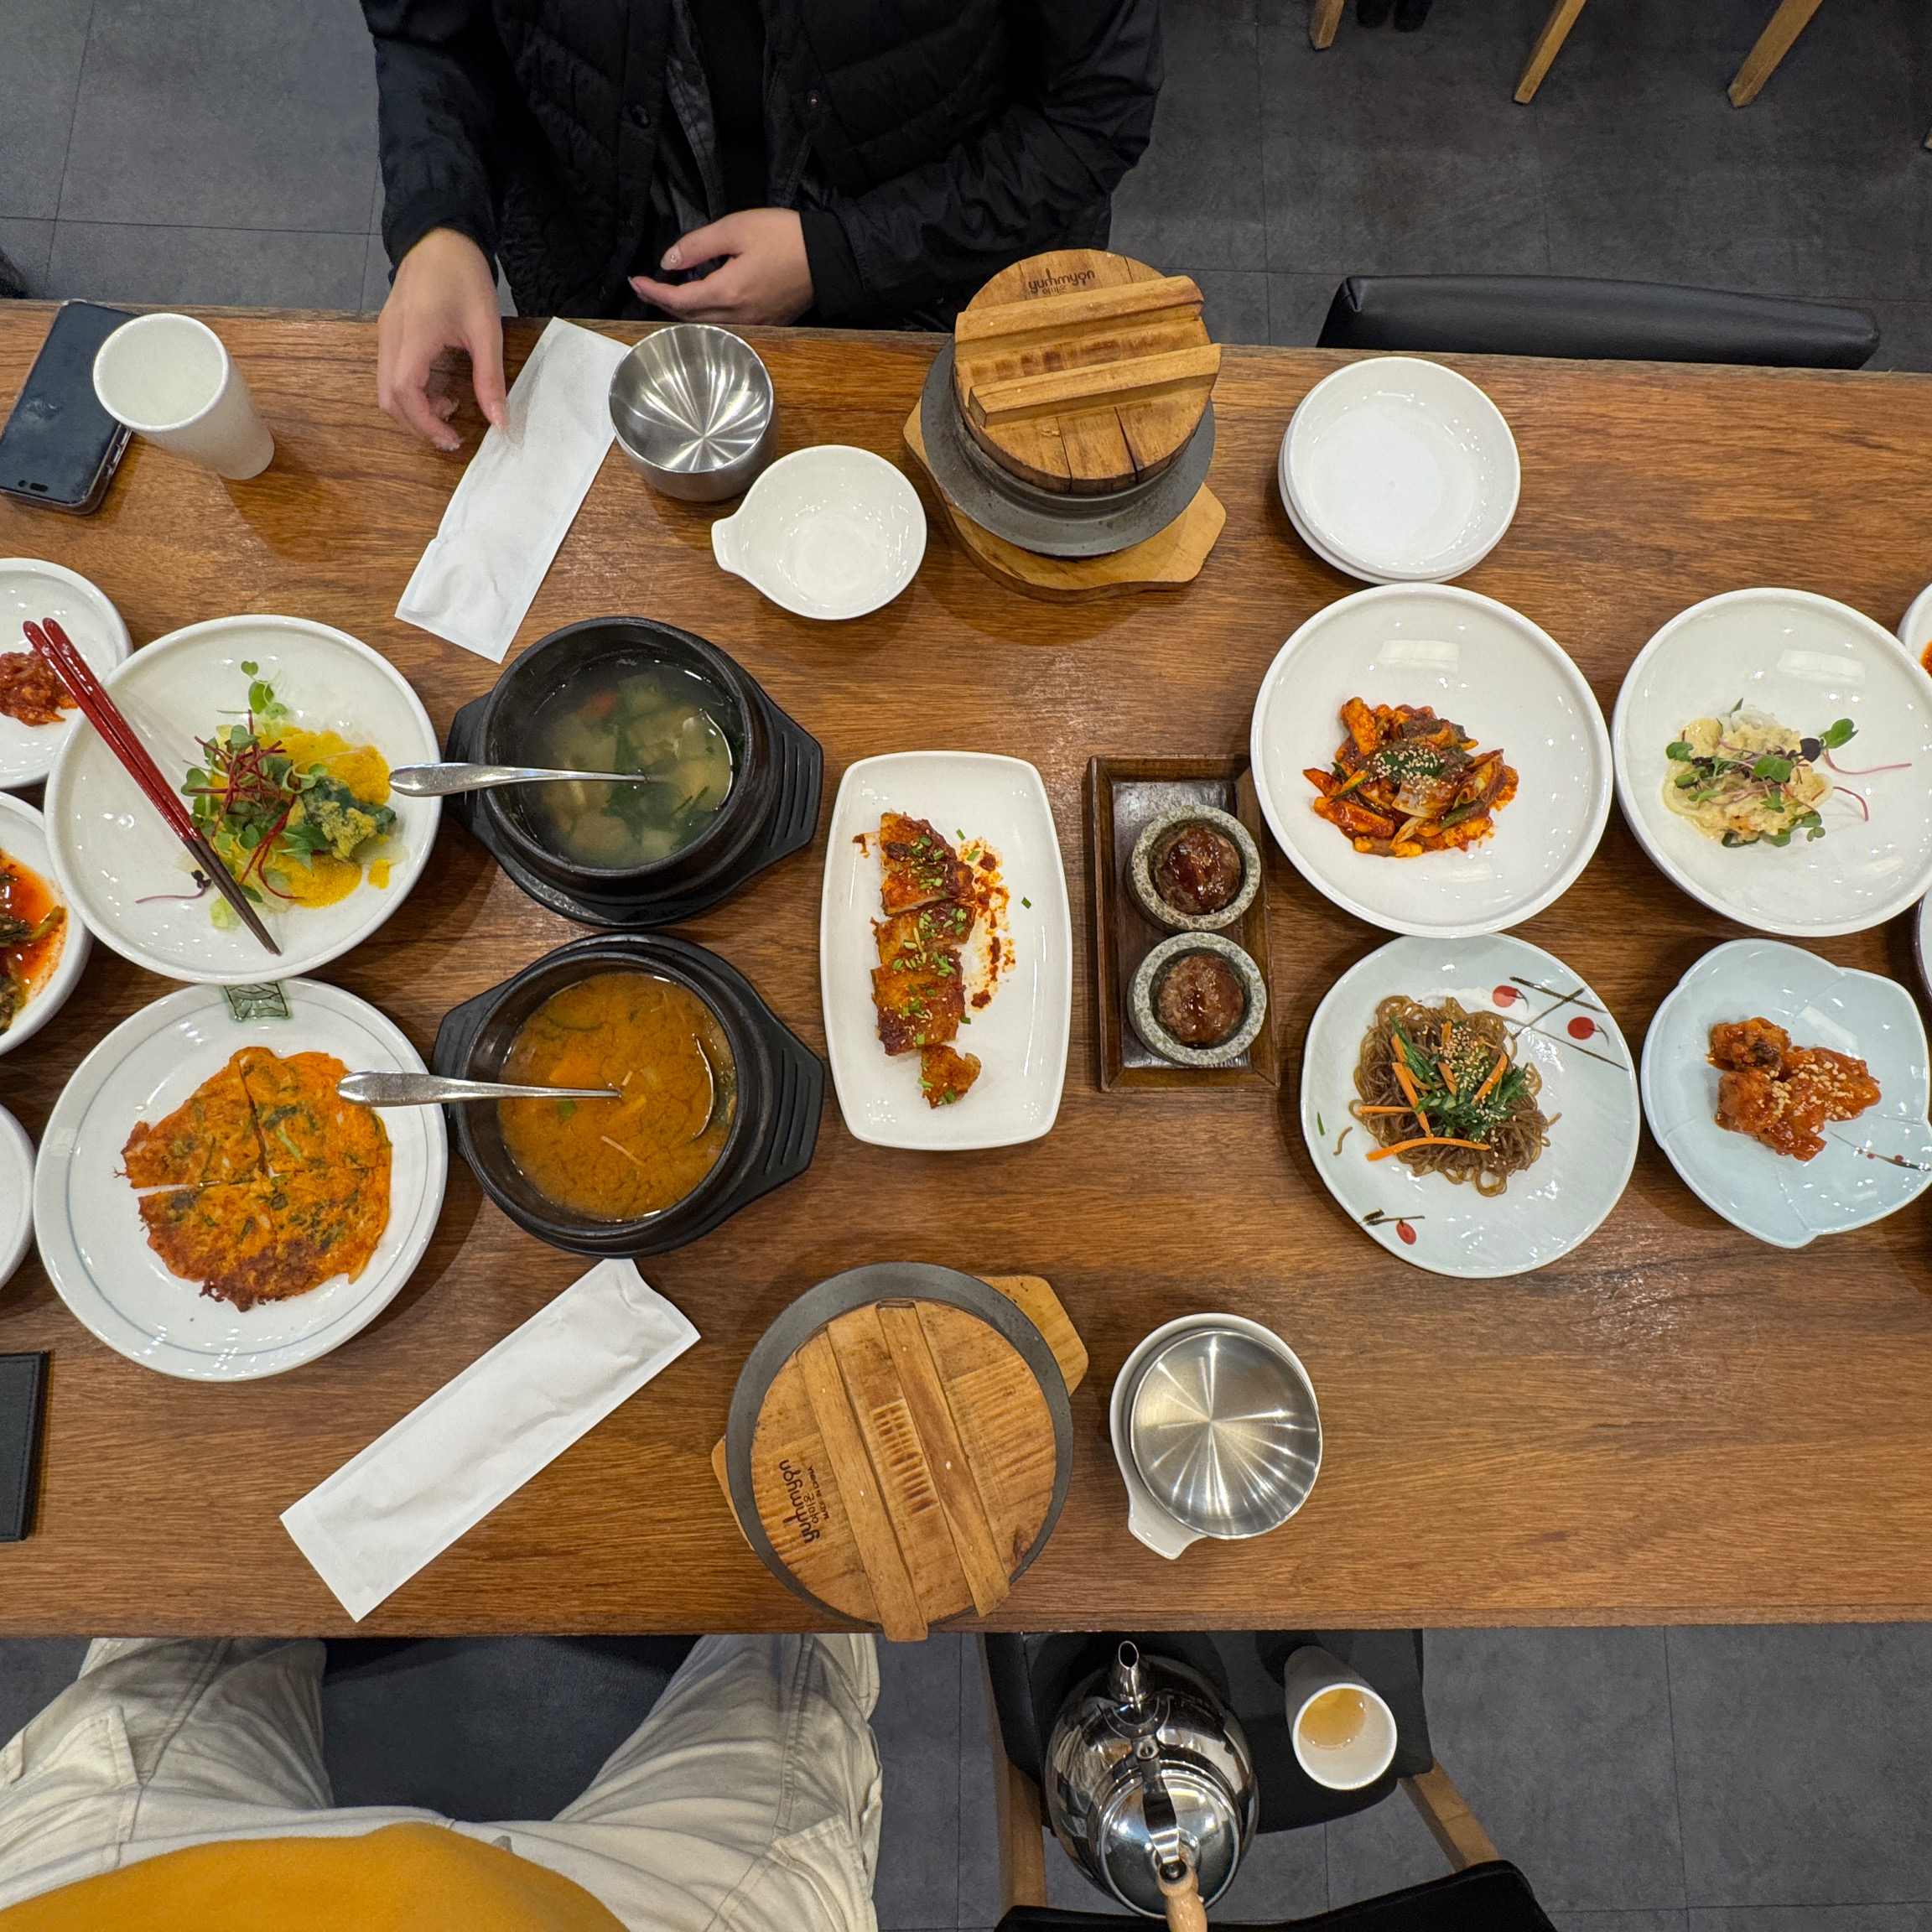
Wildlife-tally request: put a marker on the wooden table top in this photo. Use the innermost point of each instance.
(1674, 1423)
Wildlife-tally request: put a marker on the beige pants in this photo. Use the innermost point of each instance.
(747, 1801)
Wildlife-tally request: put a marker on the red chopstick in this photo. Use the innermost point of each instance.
(56, 650)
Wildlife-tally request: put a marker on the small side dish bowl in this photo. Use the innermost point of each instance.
(695, 411)
(1400, 468)
(1872, 1165)
(1915, 626)
(32, 589)
(776, 1084)
(1807, 662)
(24, 839)
(1144, 996)
(15, 1195)
(1157, 838)
(1508, 682)
(831, 532)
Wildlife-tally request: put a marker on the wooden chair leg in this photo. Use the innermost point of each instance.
(1549, 45)
(1774, 43)
(1451, 1823)
(1017, 1813)
(1324, 20)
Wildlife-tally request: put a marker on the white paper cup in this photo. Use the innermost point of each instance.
(1364, 1747)
(169, 378)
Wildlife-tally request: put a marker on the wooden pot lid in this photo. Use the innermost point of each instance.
(900, 1442)
(1083, 372)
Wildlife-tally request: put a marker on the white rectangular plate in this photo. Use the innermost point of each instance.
(1021, 1037)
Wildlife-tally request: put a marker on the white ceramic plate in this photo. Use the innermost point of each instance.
(1785, 1202)
(1020, 1038)
(1808, 662)
(1401, 468)
(31, 589)
(112, 849)
(15, 1195)
(830, 531)
(89, 1223)
(1315, 543)
(1589, 1076)
(23, 838)
(1915, 626)
(1502, 678)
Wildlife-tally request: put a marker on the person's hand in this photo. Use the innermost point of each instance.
(766, 278)
(444, 298)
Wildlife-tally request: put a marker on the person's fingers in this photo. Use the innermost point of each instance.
(705, 244)
(407, 399)
(717, 299)
(445, 406)
(485, 341)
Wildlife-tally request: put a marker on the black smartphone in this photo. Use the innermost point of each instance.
(22, 1396)
(60, 447)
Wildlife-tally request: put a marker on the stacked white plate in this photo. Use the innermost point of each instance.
(1398, 471)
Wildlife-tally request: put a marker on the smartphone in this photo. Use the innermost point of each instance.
(22, 1393)
(60, 447)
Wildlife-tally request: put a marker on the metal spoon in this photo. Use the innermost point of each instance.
(428, 1089)
(440, 781)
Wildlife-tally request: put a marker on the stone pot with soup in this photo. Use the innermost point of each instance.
(715, 1100)
(709, 782)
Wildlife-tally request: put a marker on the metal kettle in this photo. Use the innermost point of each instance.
(1151, 1787)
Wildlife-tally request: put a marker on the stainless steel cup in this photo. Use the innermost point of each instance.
(695, 411)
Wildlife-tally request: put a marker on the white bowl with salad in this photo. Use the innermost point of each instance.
(1774, 754)
(280, 733)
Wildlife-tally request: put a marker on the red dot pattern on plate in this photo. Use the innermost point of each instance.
(1406, 1231)
(1504, 996)
(1582, 1029)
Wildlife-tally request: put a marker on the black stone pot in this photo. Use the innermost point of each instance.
(772, 808)
(781, 1092)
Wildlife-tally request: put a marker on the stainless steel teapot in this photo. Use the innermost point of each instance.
(1151, 1787)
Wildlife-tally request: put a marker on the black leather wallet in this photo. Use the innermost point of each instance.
(23, 1404)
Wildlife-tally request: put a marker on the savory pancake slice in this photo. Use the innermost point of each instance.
(945, 1075)
(328, 1221)
(917, 935)
(210, 1139)
(918, 1006)
(301, 1117)
(920, 868)
(221, 1236)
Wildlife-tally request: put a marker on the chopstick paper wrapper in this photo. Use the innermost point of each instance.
(480, 1438)
(519, 496)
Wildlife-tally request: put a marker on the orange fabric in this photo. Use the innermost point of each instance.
(409, 1878)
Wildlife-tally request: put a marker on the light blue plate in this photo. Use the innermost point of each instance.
(1780, 1200)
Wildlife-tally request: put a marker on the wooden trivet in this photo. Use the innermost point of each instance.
(904, 1457)
(1083, 371)
(1163, 562)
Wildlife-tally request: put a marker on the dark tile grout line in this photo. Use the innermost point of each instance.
(959, 1779)
(73, 122)
(204, 227)
(1676, 1772)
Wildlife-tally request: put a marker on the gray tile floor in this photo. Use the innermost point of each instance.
(1774, 1780)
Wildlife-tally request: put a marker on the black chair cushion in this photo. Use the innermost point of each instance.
(1485, 1899)
(1569, 315)
(1033, 1676)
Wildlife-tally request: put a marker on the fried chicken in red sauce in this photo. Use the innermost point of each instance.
(1782, 1095)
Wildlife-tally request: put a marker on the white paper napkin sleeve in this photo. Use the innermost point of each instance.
(480, 1438)
(517, 500)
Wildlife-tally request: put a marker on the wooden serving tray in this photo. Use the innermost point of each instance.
(905, 1461)
(1121, 799)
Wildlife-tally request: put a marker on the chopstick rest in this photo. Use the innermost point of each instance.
(480, 1438)
(516, 503)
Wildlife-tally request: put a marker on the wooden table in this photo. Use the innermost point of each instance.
(1674, 1423)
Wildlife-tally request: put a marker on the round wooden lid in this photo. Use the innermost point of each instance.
(1083, 372)
(904, 1464)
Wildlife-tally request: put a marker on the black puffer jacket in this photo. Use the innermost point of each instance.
(945, 137)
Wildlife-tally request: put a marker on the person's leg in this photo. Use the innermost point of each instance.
(162, 1743)
(747, 1801)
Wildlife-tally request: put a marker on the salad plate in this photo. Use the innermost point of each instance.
(87, 1217)
(1508, 682)
(1761, 663)
(126, 875)
(32, 590)
(995, 808)
(1870, 1166)
(1586, 1087)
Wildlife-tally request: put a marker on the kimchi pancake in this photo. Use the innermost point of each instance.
(210, 1139)
(218, 1236)
(329, 1220)
(301, 1117)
